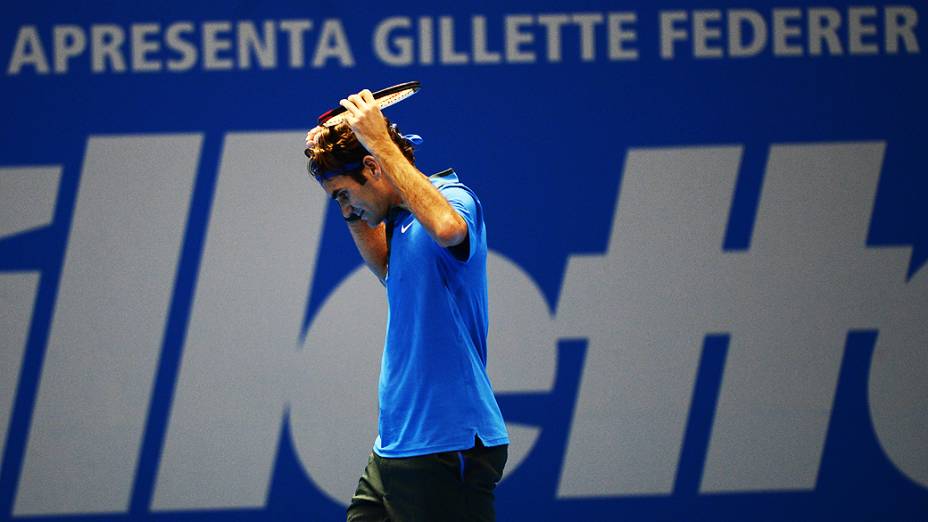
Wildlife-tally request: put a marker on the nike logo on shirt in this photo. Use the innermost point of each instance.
(405, 227)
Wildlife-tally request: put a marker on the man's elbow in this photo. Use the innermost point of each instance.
(379, 271)
(451, 232)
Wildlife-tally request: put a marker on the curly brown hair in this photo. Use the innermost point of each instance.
(337, 146)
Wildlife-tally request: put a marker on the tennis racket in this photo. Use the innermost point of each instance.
(383, 97)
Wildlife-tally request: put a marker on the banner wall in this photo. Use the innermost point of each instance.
(707, 225)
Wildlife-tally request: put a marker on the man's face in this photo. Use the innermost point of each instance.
(368, 200)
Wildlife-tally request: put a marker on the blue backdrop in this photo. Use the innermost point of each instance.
(565, 120)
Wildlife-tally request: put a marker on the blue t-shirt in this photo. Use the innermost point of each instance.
(434, 391)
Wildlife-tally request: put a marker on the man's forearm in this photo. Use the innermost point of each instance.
(421, 198)
(372, 245)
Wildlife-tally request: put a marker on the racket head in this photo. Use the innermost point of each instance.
(384, 98)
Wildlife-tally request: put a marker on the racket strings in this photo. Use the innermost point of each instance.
(384, 98)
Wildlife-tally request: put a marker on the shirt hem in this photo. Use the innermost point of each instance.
(418, 452)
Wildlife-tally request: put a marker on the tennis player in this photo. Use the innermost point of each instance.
(442, 443)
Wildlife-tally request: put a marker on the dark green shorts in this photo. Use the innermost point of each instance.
(441, 487)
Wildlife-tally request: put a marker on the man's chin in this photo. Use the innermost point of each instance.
(371, 220)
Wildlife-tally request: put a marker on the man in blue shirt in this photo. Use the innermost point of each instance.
(442, 442)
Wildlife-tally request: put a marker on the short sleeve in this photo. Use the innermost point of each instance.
(468, 207)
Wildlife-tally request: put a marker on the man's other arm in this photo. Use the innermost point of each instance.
(372, 245)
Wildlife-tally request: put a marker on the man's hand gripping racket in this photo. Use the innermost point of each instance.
(363, 106)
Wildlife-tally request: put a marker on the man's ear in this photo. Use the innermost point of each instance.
(372, 164)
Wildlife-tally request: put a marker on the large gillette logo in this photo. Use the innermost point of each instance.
(247, 364)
